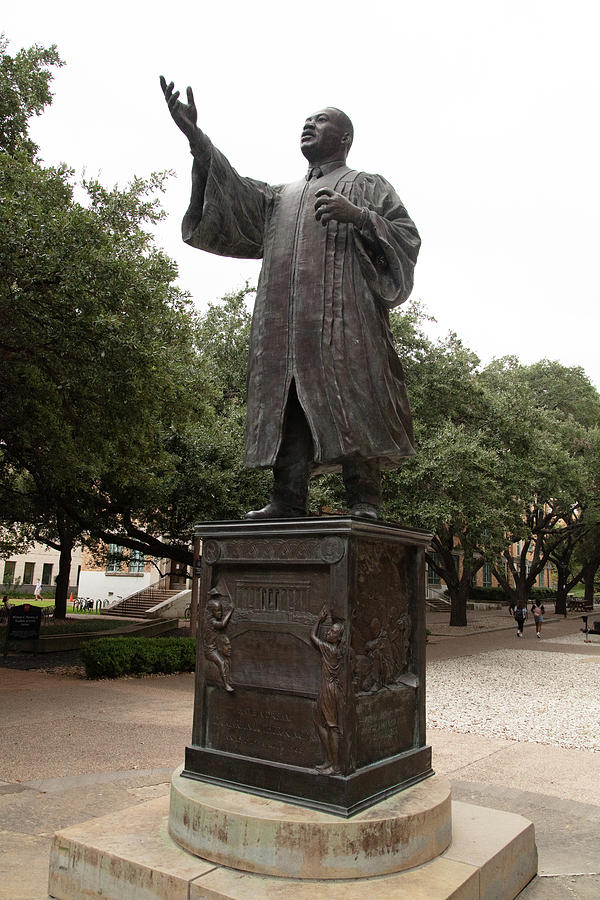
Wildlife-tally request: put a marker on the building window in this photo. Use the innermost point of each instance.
(9, 573)
(28, 571)
(487, 575)
(137, 562)
(47, 573)
(115, 558)
(432, 575)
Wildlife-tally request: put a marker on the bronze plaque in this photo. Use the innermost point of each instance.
(268, 658)
(262, 724)
(385, 723)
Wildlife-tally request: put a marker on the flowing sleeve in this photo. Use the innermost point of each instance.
(227, 213)
(388, 242)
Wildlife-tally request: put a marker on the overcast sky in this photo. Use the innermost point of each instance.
(483, 115)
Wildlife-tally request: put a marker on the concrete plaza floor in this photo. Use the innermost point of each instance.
(72, 749)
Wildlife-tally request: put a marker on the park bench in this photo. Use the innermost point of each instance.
(580, 605)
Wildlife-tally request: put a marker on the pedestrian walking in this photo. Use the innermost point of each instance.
(520, 616)
(37, 592)
(537, 611)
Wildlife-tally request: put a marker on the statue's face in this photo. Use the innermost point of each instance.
(322, 137)
(216, 609)
(334, 635)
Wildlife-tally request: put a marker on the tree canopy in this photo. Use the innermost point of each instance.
(122, 410)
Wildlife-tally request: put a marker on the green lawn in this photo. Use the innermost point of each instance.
(18, 601)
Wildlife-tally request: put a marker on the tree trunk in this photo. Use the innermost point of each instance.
(64, 570)
(589, 575)
(522, 591)
(560, 606)
(458, 601)
(195, 590)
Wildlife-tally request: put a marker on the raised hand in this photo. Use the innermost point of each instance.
(184, 115)
(331, 205)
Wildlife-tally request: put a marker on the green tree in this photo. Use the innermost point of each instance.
(25, 80)
(97, 341)
(456, 484)
(553, 408)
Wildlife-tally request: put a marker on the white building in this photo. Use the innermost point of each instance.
(124, 572)
(21, 571)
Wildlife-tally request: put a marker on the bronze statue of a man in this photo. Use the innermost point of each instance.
(325, 385)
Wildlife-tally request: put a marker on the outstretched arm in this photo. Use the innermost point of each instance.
(185, 116)
(315, 629)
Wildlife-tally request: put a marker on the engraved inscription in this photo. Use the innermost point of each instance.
(262, 724)
(386, 723)
(274, 659)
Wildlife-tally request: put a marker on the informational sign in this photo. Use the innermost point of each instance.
(24, 622)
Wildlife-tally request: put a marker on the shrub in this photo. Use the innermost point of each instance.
(487, 595)
(114, 657)
(538, 593)
(497, 595)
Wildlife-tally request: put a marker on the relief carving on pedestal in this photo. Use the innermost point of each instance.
(217, 646)
(329, 713)
(320, 550)
(380, 655)
(381, 623)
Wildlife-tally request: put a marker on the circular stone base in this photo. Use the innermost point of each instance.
(257, 834)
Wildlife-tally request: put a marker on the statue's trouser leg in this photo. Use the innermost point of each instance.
(362, 480)
(294, 460)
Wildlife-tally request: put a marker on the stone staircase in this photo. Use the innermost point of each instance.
(435, 601)
(136, 605)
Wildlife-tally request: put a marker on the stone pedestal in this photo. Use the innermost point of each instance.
(268, 837)
(325, 713)
(129, 855)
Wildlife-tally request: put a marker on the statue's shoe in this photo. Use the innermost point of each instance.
(364, 511)
(275, 510)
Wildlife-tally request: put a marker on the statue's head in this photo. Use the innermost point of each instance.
(326, 136)
(215, 608)
(335, 633)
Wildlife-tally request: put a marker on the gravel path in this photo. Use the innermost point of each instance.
(519, 695)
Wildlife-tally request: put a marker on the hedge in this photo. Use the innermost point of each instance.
(497, 595)
(487, 594)
(113, 657)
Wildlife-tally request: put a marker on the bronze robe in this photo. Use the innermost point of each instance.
(321, 311)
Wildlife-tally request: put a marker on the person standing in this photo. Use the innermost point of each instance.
(537, 611)
(520, 616)
(37, 591)
(326, 389)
